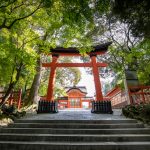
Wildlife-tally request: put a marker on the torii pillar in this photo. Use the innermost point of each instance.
(48, 105)
(98, 106)
(50, 90)
(98, 89)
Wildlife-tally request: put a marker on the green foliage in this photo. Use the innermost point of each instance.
(102, 6)
(30, 28)
(13, 54)
(140, 112)
(43, 89)
(8, 109)
(12, 11)
(59, 91)
(128, 51)
(76, 11)
(11, 112)
(143, 55)
(136, 13)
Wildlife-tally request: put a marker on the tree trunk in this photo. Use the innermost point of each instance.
(33, 95)
(7, 94)
(12, 85)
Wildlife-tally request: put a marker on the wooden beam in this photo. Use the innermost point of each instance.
(98, 64)
(67, 65)
(77, 54)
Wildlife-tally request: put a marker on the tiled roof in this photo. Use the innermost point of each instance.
(81, 88)
(97, 48)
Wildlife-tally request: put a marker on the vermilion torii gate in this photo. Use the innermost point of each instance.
(98, 50)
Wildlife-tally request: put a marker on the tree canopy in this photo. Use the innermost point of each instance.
(136, 13)
(28, 29)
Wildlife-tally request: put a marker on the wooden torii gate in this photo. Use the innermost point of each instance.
(59, 51)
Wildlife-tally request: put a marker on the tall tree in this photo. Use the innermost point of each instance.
(55, 18)
(12, 11)
(125, 51)
(136, 13)
(57, 30)
(17, 58)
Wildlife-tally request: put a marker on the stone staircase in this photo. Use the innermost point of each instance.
(75, 135)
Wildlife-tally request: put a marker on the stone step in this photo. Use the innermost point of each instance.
(75, 131)
(76, 125)
(13, 145)
(78, 121)
(75, 135)
(75, 138)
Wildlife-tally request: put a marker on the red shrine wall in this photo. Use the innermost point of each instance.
(138, 94)
(117, 97)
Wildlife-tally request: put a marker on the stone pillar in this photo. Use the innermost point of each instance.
(131, 79)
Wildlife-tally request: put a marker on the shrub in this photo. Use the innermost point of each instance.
(11, 112)
(139, 111)
(8, 109)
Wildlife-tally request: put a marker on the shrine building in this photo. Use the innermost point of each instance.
(76, 98)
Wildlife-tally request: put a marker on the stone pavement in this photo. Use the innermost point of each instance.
(77, 114)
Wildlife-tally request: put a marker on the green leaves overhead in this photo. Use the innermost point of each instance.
(13, 52)
(136, 13)
(76, 11)
(30, 28)
(13, 11)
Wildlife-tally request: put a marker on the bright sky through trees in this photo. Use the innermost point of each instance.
(88, 81)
